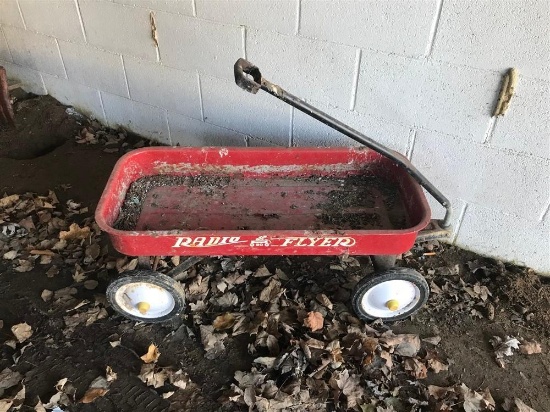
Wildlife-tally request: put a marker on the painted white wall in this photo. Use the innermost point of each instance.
(422, 76)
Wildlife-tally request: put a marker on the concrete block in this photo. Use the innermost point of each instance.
(57, 18)
(9, 14)
(310, 69)
(95, 68)
(261, 115)
(397, 26)
(279, 16)
(164, 87)
(145, 120)
(118, 28)
(171, 6)
(506, 236)
(34, 51)
(186, 131)
(310, 132)
(495, 35)
(4, 49)
(454, 100)
(84, 99)
(483, 175)
(192, 44)
(31, 79)
(526, 125)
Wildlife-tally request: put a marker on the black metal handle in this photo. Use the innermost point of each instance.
(241, 69)
(257, 82)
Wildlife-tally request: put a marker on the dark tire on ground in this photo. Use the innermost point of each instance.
(173, 287)
(395, 273)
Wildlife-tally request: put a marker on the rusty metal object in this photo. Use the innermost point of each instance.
(7, 117)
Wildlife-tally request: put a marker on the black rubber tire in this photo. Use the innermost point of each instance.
(158, 279)
(395, 273)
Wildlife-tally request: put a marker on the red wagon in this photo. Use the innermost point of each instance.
(268, 201)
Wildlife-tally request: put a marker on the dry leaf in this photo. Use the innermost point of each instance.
(227, 300)
(474, 401)
(8, 200)
(530, 347)
(272, 291)
(324, 300)
(153, 376)
(225, 321)
(22, 331)
(314, 321)
(437, 366)
(516, 405)
(405, 345)
(434, 340)
(503, 347)
(179, 379)
(9, 378)
(79, 275)
(24, 266)
(75, 232)
(46, 295)
(10, 255)
(14, 402)
(262, 272)
(110, 375)
(267, 361)
(212, 342)
(350, 385)
(39, 407)
(92, 394)
(54, 270)
(417, 368)
(152, 354)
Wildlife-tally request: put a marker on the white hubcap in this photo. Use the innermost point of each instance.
(390, 299)
(144, 300)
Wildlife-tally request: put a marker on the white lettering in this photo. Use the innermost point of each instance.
(182, 241)
(199, 242)
(327, 241)
(289, 240)
(345, 241)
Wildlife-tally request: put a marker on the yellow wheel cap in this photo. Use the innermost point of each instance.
(392, 304)
(143, 307)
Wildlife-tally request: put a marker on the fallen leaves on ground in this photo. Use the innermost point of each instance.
(516, 405)
(314, 321)
(152, 354)
(22, 331)
(530, 347)
(99, 386)
(13, 402)
(225, 321)
(75, 232)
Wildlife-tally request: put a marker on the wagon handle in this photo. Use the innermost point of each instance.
(254, 82)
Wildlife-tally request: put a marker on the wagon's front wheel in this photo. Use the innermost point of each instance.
(391, 295)
(146, 296)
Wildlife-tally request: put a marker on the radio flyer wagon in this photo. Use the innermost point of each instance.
(212, 201)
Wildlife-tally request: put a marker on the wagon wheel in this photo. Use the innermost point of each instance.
(146, 296)
(393, 294)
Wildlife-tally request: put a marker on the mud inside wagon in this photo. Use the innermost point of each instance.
(210, 202)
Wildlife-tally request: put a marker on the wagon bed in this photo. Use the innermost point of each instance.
(208, 201)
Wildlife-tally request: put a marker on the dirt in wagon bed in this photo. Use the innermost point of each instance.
(215, 202)
(261, 333)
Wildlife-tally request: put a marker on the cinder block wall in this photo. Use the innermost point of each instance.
(420, 76)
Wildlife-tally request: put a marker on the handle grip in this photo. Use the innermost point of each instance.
(243, 68)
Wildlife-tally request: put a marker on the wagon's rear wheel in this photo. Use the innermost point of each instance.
(393, 294)
(146, 296)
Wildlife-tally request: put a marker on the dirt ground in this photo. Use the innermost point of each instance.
(473, 300)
